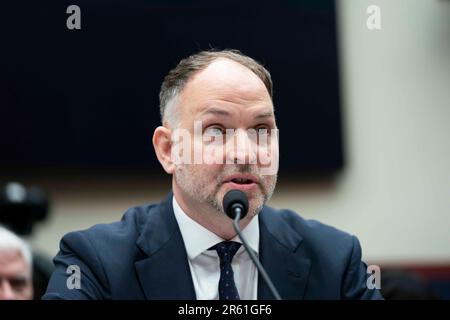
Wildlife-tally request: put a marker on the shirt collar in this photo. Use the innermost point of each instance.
(198, 239)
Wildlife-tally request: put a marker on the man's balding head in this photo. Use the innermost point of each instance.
(177, 78)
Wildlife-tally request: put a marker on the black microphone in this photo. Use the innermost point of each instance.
(235, 205)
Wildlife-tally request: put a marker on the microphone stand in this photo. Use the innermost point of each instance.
(261, 270)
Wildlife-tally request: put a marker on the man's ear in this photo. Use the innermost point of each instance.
(162, 142)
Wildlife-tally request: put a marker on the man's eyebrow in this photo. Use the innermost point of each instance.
(266, 114)
(19, 277)
(217, 111)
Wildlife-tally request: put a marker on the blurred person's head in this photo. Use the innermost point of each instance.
(15, 267)
(221, 90)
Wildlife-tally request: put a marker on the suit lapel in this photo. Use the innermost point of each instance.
(281, 257)
(163, 270)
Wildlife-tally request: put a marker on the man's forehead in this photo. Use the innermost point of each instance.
(12, 262)
(11, 256)
(224, 77)
(225, 87)
(223, 70)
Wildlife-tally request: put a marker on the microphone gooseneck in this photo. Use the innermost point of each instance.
(235, 205)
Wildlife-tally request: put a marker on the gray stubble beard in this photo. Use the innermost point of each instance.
(199, 189)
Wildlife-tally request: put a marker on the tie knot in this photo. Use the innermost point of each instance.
(226, 250)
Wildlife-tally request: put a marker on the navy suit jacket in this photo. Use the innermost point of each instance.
(143, 257)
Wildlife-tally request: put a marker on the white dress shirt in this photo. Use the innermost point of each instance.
(205, 264)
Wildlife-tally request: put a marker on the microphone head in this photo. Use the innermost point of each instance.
(234, 199)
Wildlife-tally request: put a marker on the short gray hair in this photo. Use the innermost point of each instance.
(10, 241)
(175, 81)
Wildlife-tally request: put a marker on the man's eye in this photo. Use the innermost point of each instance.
(262, 130)
(18, 284)
(214, 131)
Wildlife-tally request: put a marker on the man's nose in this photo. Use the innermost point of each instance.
(241, 148)
(6, 291)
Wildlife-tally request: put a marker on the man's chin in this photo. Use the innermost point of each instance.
(255, 197)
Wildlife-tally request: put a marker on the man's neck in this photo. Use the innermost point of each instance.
(208, 217)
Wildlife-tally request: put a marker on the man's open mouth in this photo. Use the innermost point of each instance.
(242, 181)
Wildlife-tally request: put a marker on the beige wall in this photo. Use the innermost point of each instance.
(395, 191)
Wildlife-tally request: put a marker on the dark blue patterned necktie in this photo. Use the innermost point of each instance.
(227, 288)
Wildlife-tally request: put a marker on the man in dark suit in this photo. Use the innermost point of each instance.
(218, 134)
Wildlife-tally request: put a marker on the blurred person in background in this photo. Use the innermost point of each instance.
(15, 267)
